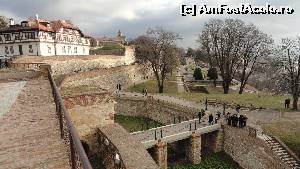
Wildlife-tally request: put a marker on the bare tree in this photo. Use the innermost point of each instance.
(289, 55)
(158, 49)
(231, 43)
(256, 46)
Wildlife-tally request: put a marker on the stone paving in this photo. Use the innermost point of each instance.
(8, 94)
(29, 131)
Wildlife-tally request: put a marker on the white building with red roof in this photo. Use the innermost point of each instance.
(38, 37)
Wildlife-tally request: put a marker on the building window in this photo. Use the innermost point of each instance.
(75, 49)
(7, 37)
(29, 35)
(49, 49)
(17, 36)
(83, 50)
(30, 49)
(64, 49)
(11, 48)
(6, 50)
(69, 49)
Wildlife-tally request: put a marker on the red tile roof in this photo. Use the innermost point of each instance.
(41, 24)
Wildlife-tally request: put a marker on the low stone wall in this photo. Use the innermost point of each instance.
(248, 151)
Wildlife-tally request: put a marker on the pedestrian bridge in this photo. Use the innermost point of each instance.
(173, 132)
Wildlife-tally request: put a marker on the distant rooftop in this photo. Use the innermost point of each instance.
(40, 24)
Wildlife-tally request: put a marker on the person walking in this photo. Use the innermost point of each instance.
(228, 117)
(238, 108)
(224, 108)
(287, 103)
(219, 114)
(245, 118)
(241, 121)
(206, 102)
(210, 119)
(199, 116)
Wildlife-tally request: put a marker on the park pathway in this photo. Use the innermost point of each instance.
(180, 85)
(29, 131)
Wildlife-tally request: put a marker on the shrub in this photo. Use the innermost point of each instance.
(198, 74)
(212, 73)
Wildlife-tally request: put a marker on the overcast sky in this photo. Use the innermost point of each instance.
(133, 17)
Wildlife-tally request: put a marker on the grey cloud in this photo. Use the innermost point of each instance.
(100, 17)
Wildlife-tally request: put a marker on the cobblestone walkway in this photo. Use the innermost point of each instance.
(29, 131)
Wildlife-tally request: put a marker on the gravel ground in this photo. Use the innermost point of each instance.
(8, 94)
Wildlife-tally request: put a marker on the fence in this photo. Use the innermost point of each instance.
(77, 155)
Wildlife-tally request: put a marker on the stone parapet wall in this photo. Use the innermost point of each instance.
(74, 64)
(107, 79)
(250, 152)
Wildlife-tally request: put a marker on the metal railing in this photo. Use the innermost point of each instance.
(77, 156)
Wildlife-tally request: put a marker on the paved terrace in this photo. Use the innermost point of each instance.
(173, 132)
(29, 129)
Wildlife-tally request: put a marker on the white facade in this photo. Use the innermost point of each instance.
(31, 42)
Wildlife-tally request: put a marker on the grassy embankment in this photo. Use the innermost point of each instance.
(133, 124)
(214, 161)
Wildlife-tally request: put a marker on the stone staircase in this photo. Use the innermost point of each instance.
(281, 151)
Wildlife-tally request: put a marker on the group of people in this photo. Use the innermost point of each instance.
(236, 120)
(119, 86)
(3, 63)
(145, 92)
(211, 119)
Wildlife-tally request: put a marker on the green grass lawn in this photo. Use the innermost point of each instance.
(151, 86)
(214, 161)
(133, 124)
(261, 100)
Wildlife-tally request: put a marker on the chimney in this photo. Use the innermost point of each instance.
(11, 21)
(37, 16)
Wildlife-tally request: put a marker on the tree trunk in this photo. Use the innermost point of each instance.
(161, 88)
(295, 101)
(225, 87)
(215, 83)
(241, 88)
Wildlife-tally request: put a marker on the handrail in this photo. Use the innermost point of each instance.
(77, 155)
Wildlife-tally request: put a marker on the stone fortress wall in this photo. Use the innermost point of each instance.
(250, 152)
